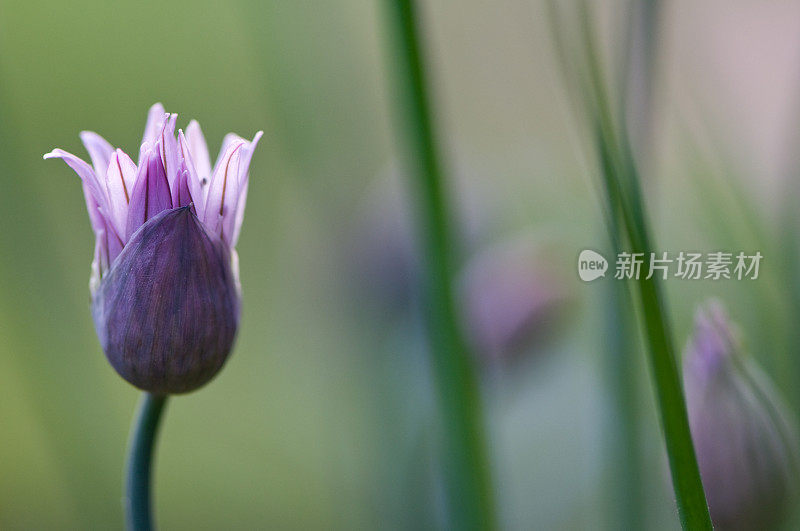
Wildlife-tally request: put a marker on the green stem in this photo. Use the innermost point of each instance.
(626, 204)
(636, 72)
(621, 356)
(138, 512)
(692, 506)
(467, 476)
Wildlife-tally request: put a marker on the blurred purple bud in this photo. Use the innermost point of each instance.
(510, 299)
(167, 311)
(746, 447)
(383, 252)
(383, 255)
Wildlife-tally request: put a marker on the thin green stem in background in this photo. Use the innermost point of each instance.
(637, 70)
(618, 168)
(622, 375)
(638, 77)
(625, 208)
(625, 452)
(138, 497)
(468, 483)
(621, 175)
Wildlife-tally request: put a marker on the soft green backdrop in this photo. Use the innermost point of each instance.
(315, 421)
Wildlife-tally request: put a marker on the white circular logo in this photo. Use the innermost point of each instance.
(591, 265)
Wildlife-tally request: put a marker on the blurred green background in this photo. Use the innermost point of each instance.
(318, 420)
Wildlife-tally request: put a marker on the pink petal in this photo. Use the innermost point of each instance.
(169, 150)
(223, 190)
(85, 172)
(121, 177)
(199, 150)
(100, 152)
(229, 139)
(99, 265)
(96, 219)
(182, 196)
(155, 122)
(101, 252)
(107, 241)
(114, 244)
(244, 179)
(193, 179)
(238, 217)
(244, 167)
(150, 194)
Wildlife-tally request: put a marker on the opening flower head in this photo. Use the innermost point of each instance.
(171, 172)
(165, 287)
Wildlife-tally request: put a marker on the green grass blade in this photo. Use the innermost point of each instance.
(467, 476)
(625, 203)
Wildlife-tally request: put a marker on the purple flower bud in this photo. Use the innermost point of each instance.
(510, 299)
(165, 287)
(167, 311)
(382, 254)
(746, 447)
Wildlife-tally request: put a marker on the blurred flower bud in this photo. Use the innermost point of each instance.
(510, 299)
(745, 445)
(383, 253)
(384, 260)
(167, 311)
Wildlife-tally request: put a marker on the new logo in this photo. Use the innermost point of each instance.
(591, 265)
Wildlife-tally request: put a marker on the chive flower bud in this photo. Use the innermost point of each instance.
(510, 299)
(746, 447)
(165, 291)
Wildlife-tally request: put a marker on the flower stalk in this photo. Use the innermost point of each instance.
(467, 477)
(138, 480)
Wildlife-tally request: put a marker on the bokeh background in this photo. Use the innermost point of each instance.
(322, 419)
